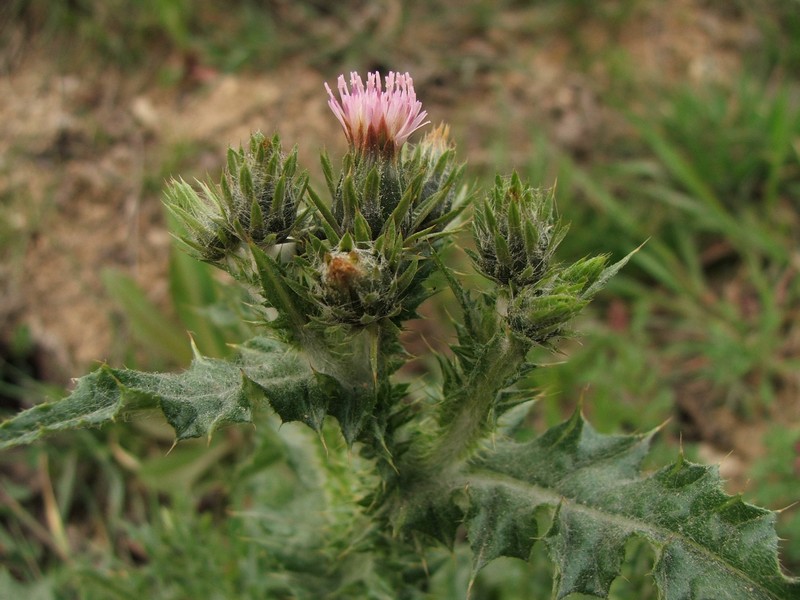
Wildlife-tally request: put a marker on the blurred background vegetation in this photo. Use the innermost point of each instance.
(674, 123)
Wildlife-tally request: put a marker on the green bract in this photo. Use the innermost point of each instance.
(516, 233)
(256, 201)
(262, 190)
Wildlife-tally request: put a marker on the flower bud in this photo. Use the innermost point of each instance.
(262, 190)
(585, 272)
(256, 201)
(541, 315)
(377, 123)
(203, 218)
(516, 233)
(431, 165)
(541, 311)
(360, 286)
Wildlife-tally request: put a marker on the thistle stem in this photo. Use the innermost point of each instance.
(468, 424)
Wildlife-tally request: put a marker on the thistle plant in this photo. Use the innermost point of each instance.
(337, 279)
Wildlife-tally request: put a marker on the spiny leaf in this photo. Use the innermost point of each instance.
(462, 296)
(209, 394)
(279, 197)
(256, 216)
(234, 161)
(293, 389)
(290, 166)
(370, 193)
(246, 181)
(196, 402)
(350, 201)
(708, 544)
(499, 524)
(97, 399)
(608, 273)
(361, 229)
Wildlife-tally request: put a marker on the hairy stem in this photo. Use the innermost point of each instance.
(470, 416)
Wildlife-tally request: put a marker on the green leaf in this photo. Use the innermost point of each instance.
(293, 389)
(196, 402)
(500, 524)
(97, 399)
(708, 544)
(209, 394)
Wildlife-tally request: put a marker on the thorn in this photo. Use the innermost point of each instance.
(582, 398)
(555, 198)
(724, 458)
(322, 439)
(171, 448)
(469, 587)
(428, 345)
(661, 426)
(388, 456)
(425, 567)
(195, 352)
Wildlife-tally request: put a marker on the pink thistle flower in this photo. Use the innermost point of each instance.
(374, 119)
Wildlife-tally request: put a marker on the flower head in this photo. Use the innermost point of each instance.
(375, 119)
(516, 232)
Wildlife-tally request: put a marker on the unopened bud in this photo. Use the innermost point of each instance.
(541, 316)
(203, 220)
(516, 233)
(262, 190)
(431, 166)
(356, 287)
